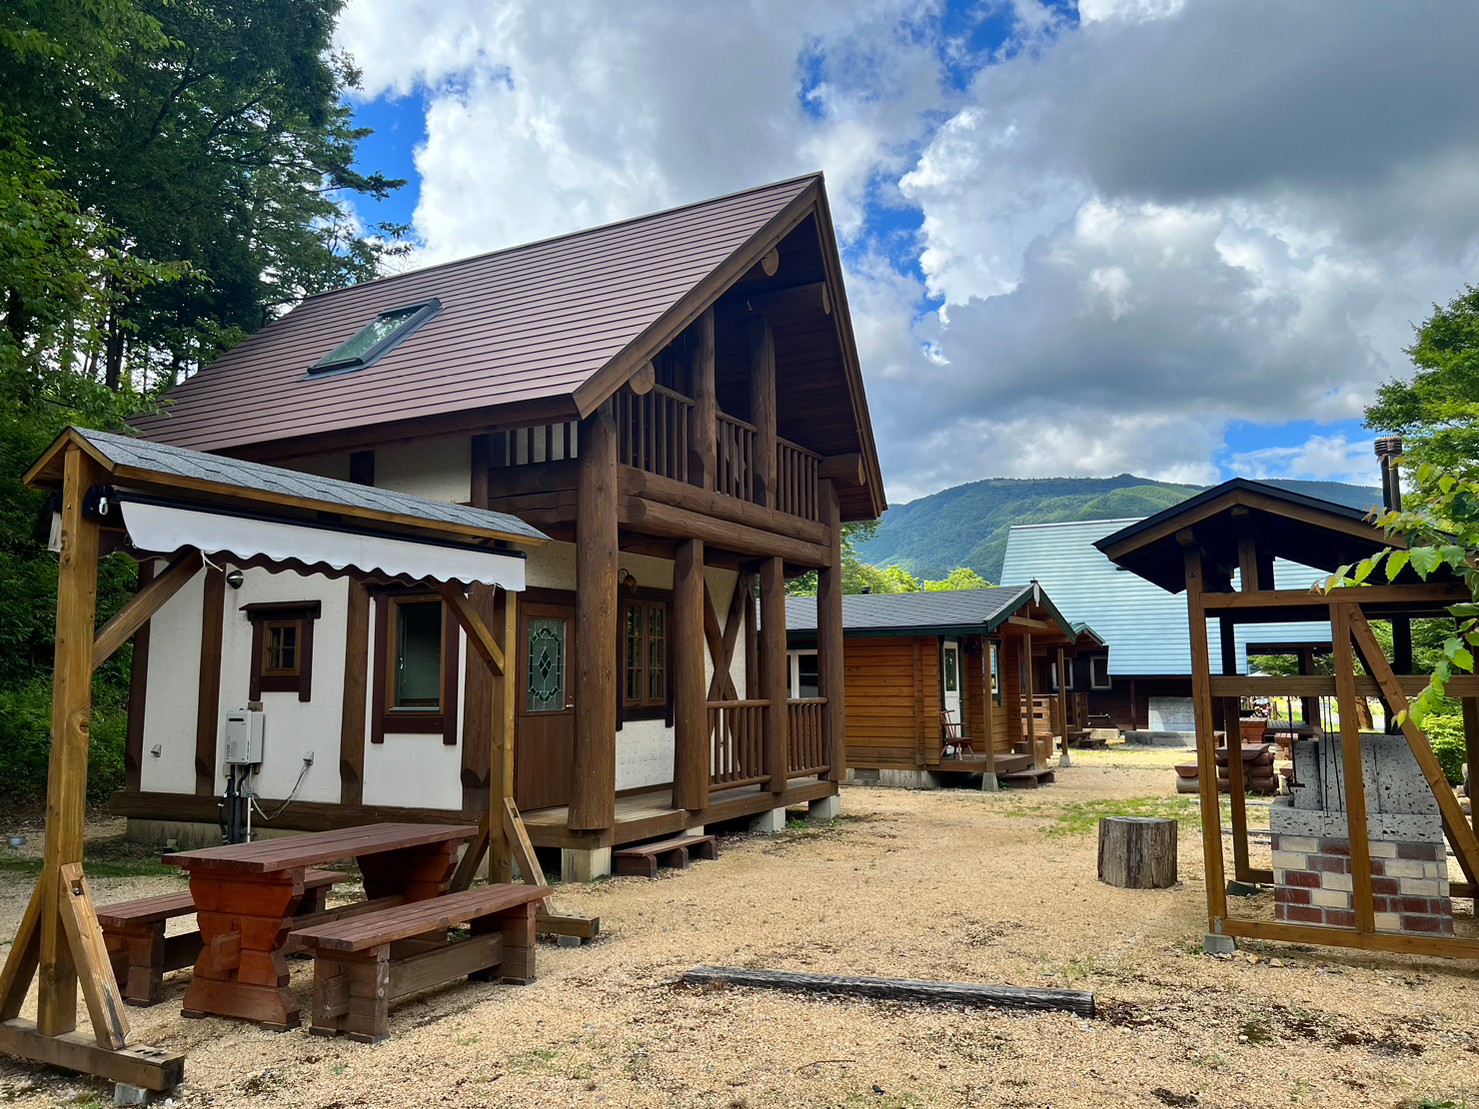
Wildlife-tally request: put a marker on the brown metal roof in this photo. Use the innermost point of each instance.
(564, 319)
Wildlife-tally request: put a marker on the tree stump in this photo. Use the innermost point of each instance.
(1137, 852)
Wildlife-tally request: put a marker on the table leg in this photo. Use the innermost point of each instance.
(416, 873)
(242, 970)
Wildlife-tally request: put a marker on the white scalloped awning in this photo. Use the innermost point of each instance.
(162, 529)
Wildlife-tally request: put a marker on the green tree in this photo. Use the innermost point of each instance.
(962, 577)
(1438, 409)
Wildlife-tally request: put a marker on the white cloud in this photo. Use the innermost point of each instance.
(1318, 458)
(1137, 229)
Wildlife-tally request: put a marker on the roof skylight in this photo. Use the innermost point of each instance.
(376, 338)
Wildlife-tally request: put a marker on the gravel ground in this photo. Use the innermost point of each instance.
(952, 885)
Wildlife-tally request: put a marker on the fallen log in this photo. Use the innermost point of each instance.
(898, 989)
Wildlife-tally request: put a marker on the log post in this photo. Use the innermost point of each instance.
(593, 768)
(762, 408)
(829, 639)
(691, 756)
(703, 416)
(1201, 693)
(773, 670)
(1063, 758)
(1028, 697)
(505, 703)
(1137, 852)
(71, 723)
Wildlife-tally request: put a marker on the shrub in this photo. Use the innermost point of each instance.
(1446, 734)
(25, 740)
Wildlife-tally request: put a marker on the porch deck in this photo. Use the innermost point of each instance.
(1005, 764)
(646, 815)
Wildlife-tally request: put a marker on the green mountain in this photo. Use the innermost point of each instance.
(968, 525)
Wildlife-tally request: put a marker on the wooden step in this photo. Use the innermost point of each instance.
(1029, 779)
(643, 859)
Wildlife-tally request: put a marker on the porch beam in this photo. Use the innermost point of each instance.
(1428, 593)
(774, 678)
(150, 598)
(691, 756)
(593, 768)
(478, 636)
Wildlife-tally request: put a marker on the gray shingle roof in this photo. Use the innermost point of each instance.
(231, 473)
(957, 611)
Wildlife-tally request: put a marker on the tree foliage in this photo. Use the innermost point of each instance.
(861, 577)
(1438, 409)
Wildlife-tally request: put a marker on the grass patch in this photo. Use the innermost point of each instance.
(1078, 818)
(107, 858)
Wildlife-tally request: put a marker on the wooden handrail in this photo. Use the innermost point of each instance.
(799, 449)
(739, 704)
(725, 417)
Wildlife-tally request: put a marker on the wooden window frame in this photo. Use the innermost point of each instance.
(1094, 683)
(994, 676)
(385, 718)
(647, 708)
(269, 614)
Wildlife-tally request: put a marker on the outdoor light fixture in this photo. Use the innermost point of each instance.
(625, 580)
(234, 578)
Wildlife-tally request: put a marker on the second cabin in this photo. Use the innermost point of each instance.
(950, 687)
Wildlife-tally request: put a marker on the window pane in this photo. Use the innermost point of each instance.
(418, 655)
(546, 692)
(656, 655)
(951, 681)
(808, 675)
(280, 652)
(632, 656)
(379, 329)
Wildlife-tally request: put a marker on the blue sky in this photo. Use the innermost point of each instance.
(1180, 238)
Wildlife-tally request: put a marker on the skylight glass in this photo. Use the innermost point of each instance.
(376, 338)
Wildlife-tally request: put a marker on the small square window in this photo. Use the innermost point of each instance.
(416, 676)
(1099, 672)
(376, 338)
(282, 647)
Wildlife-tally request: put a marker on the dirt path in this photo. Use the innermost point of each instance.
(953, 885)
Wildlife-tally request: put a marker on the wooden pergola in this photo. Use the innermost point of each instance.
(1234, 532)
(399, 538)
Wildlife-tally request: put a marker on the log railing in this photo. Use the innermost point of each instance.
(796, 479)
(531, 446)
(805, 752)
(652, 431)
(737, 739)
(735, 458)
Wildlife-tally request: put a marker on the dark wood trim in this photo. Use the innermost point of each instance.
(269, 610)
(644, 710)
(352, 718)
(362, 467)
(262, 613)
(304, 816)
(691, 759)
(138, 692)
(477, 713)
(208, 704)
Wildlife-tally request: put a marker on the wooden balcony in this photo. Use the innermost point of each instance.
(737, 740)
(805, 749)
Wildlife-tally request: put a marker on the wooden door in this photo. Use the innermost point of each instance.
(950, 683)
(546, 726)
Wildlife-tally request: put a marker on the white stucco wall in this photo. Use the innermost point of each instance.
(321, 465)
(438, 468)
(292, 727)
(170, 696)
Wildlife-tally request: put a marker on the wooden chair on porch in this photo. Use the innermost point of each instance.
(955, 746)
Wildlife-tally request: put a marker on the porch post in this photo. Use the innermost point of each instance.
(505, 703)
(691, 758)
(593, 769)
(1028, 696)
(829, 638)
(773, 669)
(762, 408)
(703, 416)
(1063, 708)
(71, 720)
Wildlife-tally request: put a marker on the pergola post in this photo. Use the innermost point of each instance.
(1201, 691)
(829, 639)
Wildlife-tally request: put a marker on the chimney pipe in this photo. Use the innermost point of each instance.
(1388, 449)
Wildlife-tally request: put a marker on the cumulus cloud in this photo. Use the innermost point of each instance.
(1119, 232)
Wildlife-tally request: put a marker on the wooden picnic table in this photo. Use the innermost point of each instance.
(245, 894)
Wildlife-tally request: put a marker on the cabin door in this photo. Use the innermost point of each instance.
(950, 679)
(544, 744)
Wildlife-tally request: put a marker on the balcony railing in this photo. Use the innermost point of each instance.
(734, 462)
(737, 738)
(805, 752)
(796, 479)
(652, 431)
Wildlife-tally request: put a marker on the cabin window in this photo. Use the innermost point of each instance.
(416, 671)
(1099, 672)
(282, 647)
(377, 338)
(805, 675)
(995, 649)
(1067, 677)
(644, 656)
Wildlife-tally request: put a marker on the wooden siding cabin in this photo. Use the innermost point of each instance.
(945, 686)
(676, 400)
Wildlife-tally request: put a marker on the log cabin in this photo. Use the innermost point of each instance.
(945, 688)
(676, 400)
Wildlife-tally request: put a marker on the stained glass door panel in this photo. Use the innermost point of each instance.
(544, 745)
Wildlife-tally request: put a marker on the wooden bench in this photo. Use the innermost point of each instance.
(643, 859)
(361, 965)
(133, 932)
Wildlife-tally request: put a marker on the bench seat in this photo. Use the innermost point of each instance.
(643, 859)
(361, 965)
(133, 932)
